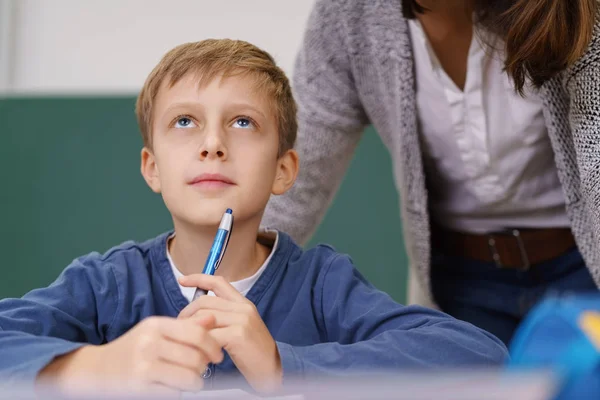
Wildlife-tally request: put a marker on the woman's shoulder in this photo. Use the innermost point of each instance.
(359, 13)
(360, 27)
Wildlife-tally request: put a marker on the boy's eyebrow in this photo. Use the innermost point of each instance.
(248, 106)
(176, 106)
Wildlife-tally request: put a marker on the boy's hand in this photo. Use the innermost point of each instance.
(239, 329)
(160, 356)
(164, 352)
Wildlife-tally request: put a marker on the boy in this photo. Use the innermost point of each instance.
(218, 122)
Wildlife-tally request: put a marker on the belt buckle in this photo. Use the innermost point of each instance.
(525, 264)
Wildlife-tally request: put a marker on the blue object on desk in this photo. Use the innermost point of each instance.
(563, 334)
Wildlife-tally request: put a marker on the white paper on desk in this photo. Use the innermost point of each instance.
(233, 394)
(219, 394)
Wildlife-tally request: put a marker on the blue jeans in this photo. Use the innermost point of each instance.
(497, 299)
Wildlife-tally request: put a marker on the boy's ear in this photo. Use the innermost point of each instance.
(287, 171)
(149, 170)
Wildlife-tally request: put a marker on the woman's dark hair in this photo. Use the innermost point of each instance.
(541, 37)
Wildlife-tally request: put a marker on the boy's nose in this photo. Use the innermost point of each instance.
(208, 154)
(213, 146)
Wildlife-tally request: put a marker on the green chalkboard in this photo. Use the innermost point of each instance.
(71, 185)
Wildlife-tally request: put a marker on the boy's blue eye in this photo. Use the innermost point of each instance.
(184, 122)
(243, 123)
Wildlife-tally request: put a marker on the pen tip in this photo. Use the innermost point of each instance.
(229, 211)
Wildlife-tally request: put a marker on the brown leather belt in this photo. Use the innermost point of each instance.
(515, 248)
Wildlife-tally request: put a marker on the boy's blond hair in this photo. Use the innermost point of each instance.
(212, 58)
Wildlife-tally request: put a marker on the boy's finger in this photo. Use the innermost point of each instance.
(207, 321)
(216, 284)
(222, 335)
(227, 335)
(191, 333)
(176, 377)
(182, 355)
(208, 303)
(223, 319)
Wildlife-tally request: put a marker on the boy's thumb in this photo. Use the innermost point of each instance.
(207, 321)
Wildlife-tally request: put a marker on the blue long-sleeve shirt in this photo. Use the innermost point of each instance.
(325, 317)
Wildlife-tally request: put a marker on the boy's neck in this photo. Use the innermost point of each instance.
(244, 256)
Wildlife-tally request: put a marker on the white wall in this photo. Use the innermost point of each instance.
(109, 46)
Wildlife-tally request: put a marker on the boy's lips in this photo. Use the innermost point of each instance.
(211, 180)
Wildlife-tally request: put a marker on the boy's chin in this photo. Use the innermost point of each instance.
(207, 220)
(207, 213)
(208, 217)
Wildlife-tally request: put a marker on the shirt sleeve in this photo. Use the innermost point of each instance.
(74, 310)
(368, 331)
(331, 120)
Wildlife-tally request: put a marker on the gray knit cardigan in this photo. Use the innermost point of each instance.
(356, 68)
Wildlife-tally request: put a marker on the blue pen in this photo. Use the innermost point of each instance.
(217, 251)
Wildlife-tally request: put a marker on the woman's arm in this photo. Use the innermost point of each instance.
(331, 121)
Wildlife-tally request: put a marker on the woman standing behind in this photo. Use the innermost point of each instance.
(491, 113)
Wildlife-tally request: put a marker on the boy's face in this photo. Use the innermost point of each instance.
(215, 148)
